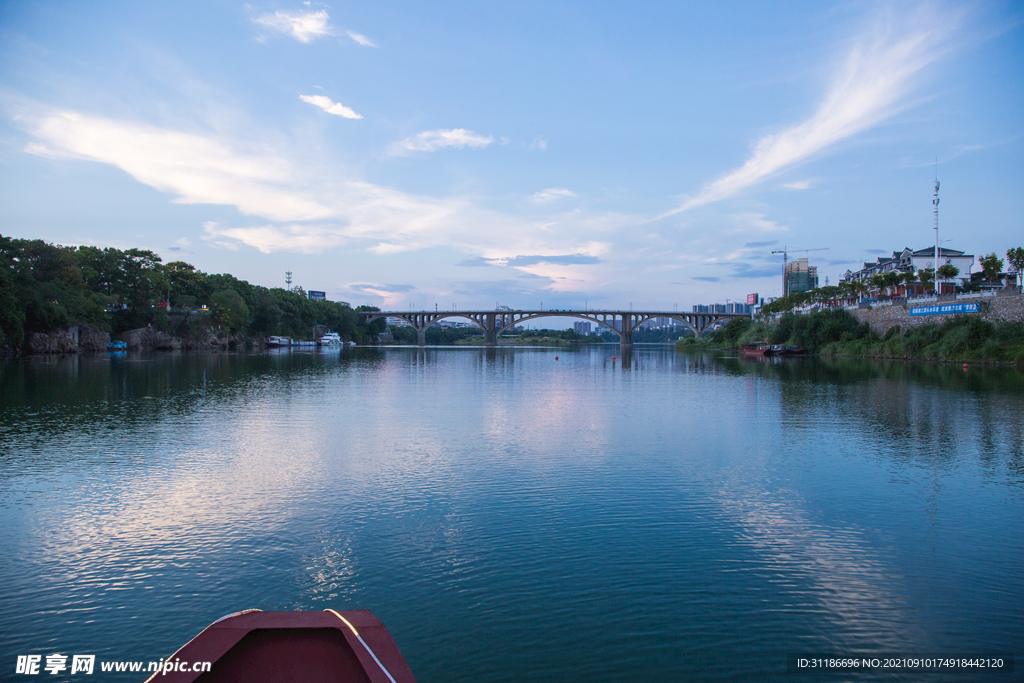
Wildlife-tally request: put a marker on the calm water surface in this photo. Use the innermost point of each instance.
(513, 517)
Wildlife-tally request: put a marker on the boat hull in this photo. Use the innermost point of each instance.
(313, 647)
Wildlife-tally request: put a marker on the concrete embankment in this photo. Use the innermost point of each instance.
(1007, 308)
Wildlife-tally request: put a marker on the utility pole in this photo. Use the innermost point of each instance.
(935, 203)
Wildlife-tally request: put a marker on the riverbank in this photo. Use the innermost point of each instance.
(838, 333)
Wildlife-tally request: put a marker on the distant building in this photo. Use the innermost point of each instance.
(316, 295)
(800, 276)
(582, 328)
(908, 261)
(397, 322)
(731, 307)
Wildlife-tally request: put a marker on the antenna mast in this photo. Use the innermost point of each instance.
(288, 279)
(935, 203)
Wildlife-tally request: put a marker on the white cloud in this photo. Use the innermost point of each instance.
(799, 185)
(755, 222)
(325, 103)
(302, 26)
(551, 194)
(312, 207)
(871, 86)
(433, 140)
(361, 39)
(198, 169)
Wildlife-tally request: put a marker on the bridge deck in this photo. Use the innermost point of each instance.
(622, 323)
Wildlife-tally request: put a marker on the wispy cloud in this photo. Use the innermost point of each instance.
(302, 26)
(756, 221)
(433, 140)
(476, 262)
(799, 185)
(361, 39)
(325, 103)
(526, 261)
(755, 245)
(180, 244)
(872, 85)
(378, 288)
(706, 278)
(551, 194)
(299, 205)
(197, 169)
(558, 260)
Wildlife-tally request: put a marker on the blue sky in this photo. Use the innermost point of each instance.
(600, 154)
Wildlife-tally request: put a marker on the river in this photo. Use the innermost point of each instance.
(517, 514)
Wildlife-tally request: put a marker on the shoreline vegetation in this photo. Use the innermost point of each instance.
(55, 298)
(836, 332)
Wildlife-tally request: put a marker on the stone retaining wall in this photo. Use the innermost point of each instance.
(993, 309)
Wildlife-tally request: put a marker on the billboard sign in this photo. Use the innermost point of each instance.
(752, 299)
(946, 309)
(317, 296)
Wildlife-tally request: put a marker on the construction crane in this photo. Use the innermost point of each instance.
(785, 260)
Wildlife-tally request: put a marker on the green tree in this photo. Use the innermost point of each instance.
(1016, 258)
(228, 308)
(927, 278)
(991, 266)
(948, 271)
(891, 280)
(186, 281)
(877, 282)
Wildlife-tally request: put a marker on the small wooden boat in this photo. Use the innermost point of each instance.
(274, 647)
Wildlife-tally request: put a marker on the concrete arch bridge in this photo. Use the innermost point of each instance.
(493, 323)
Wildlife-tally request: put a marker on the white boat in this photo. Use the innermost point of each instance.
(279, 341)
(330, 339)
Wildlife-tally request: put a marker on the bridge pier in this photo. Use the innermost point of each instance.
(421, 337)
(626, 333)
(490, 330)
(626, 336)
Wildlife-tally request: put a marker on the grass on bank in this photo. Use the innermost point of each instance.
(838, 333)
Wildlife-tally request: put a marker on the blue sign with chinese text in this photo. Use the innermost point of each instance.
(944, 309)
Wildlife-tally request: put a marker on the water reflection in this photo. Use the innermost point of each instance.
(495, 506)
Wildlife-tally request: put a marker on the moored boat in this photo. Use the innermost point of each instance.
(331, 339)
(312, 647)
(758, 348)
(278, 341)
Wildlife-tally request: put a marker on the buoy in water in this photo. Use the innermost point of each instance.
(556, 357)
(613, 357)
(965, 366)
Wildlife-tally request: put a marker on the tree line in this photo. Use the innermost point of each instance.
(47, 287)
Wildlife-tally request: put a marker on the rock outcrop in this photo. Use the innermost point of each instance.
(148, 338)
(72, 340)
